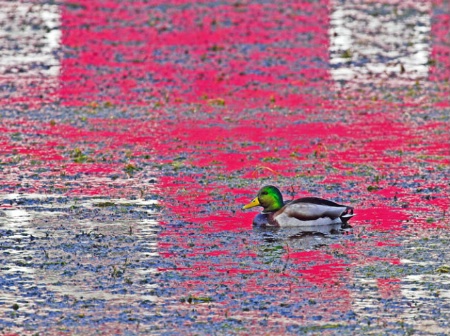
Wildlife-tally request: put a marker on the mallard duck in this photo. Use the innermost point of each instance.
(305, 211)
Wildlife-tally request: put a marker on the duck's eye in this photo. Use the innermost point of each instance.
(264, 193)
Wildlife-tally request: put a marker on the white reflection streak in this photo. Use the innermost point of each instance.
(21, 219)
(30, 39)
(380, 40)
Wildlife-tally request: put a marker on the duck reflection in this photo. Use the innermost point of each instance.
(304, 233)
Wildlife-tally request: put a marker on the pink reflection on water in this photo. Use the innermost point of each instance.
(241, 54)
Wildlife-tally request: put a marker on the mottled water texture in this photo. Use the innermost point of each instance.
(131, 134)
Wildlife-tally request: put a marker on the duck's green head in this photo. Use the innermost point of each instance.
(269, 197)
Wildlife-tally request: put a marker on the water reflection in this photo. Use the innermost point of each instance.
(288, 278)
(30, 39)
(296, 233)
(372, 41)
(388, 301)
(62, 249)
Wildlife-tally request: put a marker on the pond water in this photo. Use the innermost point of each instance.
(131, 134)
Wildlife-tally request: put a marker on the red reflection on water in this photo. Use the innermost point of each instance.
(389, 288)
(151, 51)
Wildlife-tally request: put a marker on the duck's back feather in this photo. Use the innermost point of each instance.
(316, 200)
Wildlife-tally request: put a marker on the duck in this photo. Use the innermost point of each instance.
(302, 212)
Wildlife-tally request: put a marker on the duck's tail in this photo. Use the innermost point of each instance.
(347, 214)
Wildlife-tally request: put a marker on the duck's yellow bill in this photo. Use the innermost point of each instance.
(252, 204)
